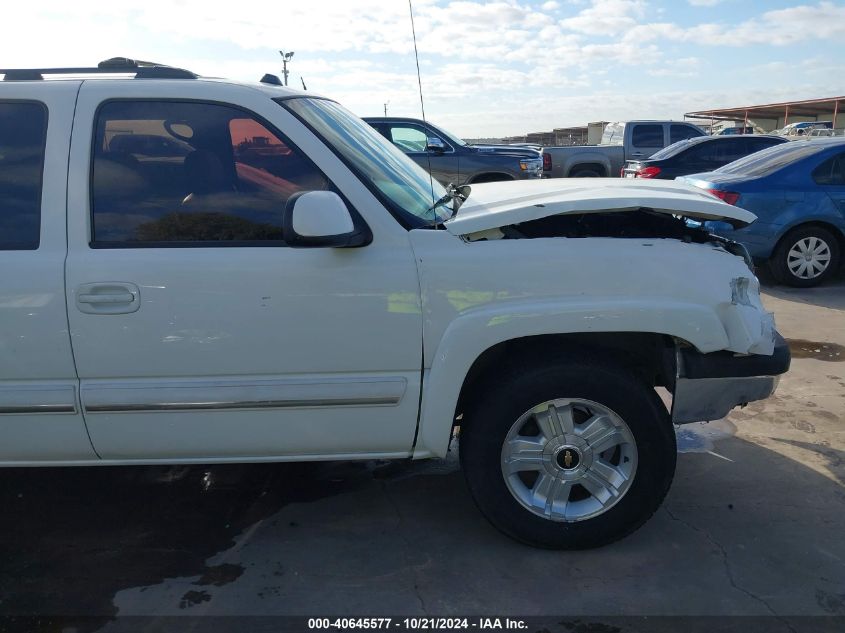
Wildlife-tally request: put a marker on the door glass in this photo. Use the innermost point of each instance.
(647, 136)
(408, 138)
(831, 171)
(170, 173)
(23, 128)
(681, 132)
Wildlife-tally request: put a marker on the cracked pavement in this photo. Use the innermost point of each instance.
(752, 526)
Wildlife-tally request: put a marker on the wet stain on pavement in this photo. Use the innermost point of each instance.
(220, 575)
(193, 598)
(831, 602)
(71, 538)
(830, 352)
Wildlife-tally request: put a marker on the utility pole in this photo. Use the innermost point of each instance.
(386, 103)
(285, 59)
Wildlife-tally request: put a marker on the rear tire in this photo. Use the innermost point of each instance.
(586, 173)
(576, 501)
(805, 257)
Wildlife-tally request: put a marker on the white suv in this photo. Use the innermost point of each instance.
(197, 270)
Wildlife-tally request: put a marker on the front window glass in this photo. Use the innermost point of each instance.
(769, 160)
(404, 187)
(176, 172)
(408, 138)
(647, 136)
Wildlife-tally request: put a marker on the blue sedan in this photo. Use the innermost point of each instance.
(797, 192)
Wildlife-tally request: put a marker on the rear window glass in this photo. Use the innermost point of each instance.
(770, 160)
(23, 128)
(614, 134)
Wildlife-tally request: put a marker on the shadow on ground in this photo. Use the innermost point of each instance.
(747, 531)
(828, 295)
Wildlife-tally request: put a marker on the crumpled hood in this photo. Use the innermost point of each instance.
(497, 204)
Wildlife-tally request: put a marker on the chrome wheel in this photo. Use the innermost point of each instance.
(569, 459)
(808, 258)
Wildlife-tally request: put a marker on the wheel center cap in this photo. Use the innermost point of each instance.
(568, 457)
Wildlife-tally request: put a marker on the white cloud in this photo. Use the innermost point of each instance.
(606, 17)
(779, 27)
(704, 3)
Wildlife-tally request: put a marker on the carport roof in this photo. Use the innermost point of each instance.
(810, 107)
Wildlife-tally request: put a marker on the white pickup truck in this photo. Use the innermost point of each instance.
(197, 270)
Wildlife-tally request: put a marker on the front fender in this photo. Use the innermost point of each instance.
(469, 335)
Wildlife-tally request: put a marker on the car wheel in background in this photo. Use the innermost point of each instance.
(805, 257)
(585, 173)
(568, 455)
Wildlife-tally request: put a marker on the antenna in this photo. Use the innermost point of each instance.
(386, 103)
(422, 105)
(303, 83)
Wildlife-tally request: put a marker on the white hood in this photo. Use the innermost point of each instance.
(497, 204)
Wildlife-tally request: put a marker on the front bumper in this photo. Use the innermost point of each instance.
(708, 386)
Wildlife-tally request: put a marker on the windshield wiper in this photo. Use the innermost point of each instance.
(455, 195)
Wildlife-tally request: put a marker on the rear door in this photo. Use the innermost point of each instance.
(40, 416)
(198, 333)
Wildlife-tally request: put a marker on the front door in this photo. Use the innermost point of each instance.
(198, 334)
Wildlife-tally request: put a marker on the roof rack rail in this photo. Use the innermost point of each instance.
(113, 66)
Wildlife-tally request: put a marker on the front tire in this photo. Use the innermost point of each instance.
(805, 257)
(568, 455)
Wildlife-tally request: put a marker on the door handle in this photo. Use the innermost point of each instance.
(108, 298)
(127, 297)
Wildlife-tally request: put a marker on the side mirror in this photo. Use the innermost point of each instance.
(320, 219)
(434, 144)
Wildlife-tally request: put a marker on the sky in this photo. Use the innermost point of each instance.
(488, 69)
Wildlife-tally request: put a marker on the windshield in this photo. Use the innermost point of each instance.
(769, 160)
(402, 185)
(455, 140)
(614, 134)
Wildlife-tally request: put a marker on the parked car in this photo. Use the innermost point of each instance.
(797, 192)
(453, 161)
(802, 128)
(733, 131)
(322, 298)
(703, 153)
(821, 132)
(621, 142)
